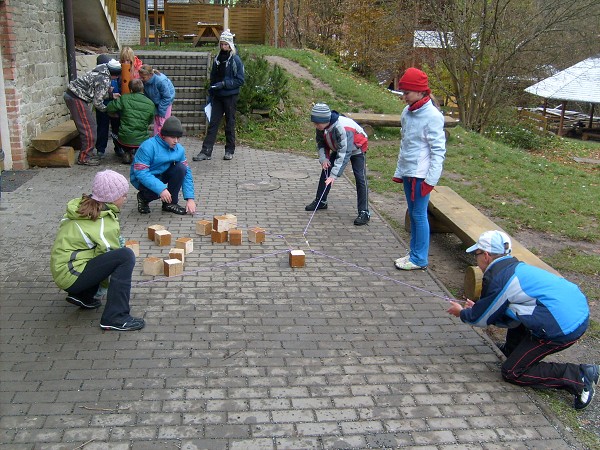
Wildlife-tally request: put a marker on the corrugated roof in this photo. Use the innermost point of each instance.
(578, 83)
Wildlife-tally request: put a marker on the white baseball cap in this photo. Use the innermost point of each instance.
(494, 241)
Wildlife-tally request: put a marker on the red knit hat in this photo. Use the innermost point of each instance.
(414, 80)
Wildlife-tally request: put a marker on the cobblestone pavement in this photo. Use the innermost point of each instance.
(242, 351)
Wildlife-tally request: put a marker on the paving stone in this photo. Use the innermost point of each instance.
(242, 351)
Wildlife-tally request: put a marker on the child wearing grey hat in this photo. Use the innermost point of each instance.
(340, 140)
(88, 250)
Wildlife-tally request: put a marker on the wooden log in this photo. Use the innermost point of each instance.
(61, 157)
(126, 76)
(473, 281)
(53, 138)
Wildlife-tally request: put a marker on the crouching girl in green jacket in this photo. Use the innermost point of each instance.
(88, 249)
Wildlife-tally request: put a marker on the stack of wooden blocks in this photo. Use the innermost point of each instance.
(173, 265)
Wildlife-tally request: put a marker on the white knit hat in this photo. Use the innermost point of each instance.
(227, 36)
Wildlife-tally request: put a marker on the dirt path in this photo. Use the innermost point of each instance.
(298, 71)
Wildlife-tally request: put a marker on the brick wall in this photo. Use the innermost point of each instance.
(129, 30)
(35, 70)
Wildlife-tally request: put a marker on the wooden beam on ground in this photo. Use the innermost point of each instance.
(53, 138)
(389, 120)
(61, 157)
(467, 222)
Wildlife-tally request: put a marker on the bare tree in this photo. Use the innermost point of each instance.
(487, 44)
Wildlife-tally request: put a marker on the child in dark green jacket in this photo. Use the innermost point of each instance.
(137, 113)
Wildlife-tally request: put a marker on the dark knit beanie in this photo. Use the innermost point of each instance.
(320, 113)
(102, 59)
(414, 80)
(172, 127)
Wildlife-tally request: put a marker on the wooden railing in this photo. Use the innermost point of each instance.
(111, 5)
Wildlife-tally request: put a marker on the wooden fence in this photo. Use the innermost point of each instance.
(248, 24)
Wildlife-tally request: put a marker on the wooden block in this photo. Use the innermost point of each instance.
(256, 235)
(218, 237)
(185, 243)
(162, 238)
(133, 245)
(173, 267)
(177, 253)
(53, 138)
(297, 258)
(203, 227)
(61, 157)
(235, 237)
(152, 229)
(153, 266)
(225, 222)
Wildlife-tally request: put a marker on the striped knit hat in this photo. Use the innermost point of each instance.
(320, 113)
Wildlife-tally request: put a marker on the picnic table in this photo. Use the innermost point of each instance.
(208, 32)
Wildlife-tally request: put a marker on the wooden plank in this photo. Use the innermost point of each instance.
(53, 138)
(389, 120)
(61, 157)
(467, 222)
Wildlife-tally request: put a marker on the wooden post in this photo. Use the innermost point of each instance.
(125, 77)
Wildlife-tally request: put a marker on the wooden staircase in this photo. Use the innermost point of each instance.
(189, 72)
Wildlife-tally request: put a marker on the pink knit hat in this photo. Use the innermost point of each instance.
(414, 80)
(109, 186)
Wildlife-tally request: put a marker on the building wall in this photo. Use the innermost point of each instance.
(129, 30)
(35, 70)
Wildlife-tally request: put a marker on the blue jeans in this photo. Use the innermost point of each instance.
(419, 224)
(359, 167)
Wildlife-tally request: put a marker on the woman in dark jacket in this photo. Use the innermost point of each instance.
(226, 78)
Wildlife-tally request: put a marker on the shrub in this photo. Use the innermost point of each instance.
(265, 86)
(519, 135)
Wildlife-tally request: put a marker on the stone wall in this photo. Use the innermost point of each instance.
(35, 70)
(129, 30)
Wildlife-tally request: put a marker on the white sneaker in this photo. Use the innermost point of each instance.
(401, 261)
(409, 265)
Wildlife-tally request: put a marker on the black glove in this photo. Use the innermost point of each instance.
(217, 86)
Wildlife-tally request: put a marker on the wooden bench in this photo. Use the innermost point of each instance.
(390, 120)
(49, 148)
(464, 220)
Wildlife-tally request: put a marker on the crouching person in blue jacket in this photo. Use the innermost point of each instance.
(160, 170)
(543, 312)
